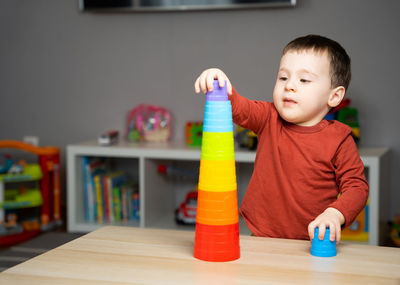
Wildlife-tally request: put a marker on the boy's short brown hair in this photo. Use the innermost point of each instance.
(340, 68)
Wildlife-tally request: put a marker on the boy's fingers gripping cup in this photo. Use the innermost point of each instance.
(323, 248)
(217, 220)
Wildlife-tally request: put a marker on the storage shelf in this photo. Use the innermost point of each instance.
(157, 203)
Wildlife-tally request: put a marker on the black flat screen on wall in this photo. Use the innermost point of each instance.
(177, 5)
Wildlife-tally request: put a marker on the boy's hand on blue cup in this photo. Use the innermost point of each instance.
(204, 82)
(331, 218)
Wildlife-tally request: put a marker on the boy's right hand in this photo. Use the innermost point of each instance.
(205, 81)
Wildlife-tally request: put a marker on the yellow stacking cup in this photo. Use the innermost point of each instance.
(217, 175)
(217, 208)
(217, 146)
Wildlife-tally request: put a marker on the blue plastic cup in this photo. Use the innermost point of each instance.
(218, 122)
(218, 114)
(216, 107)
(218, 129)
(323, 248)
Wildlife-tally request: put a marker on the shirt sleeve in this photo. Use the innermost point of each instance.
(249, 114)
(353, 187)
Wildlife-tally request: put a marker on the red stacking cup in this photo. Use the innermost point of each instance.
(217, 243)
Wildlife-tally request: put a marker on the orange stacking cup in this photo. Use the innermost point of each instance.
(217, 243)
(217, 208)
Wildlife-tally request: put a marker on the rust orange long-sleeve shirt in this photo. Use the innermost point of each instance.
(298, 172)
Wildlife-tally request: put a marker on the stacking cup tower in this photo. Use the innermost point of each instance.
(217, 220)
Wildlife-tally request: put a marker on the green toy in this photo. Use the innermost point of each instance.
(194, 133)
(349, 116)
(31, 172)
(17, 198)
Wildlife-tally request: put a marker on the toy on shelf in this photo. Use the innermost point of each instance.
(22, 198)
(39, 186)
(194, 132)
(148, 123)
(7, 165)
(14, 201)
(177, 172)
(395, 231)
(217, 220)
(346, 115)
(358, 230)
(246, 138)
(186, 213)
(10, 225)
(108, 138)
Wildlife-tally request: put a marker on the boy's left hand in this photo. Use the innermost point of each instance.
(331, 218)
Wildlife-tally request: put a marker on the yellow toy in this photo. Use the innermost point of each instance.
(358, 230)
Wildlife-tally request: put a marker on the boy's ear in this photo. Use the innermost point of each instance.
(336, 96)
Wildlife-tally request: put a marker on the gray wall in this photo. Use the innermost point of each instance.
(66, 76)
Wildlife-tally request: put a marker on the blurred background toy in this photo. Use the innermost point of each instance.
(194, 133)
(346, 115)
(177, 172)
(186, 213)
(395, 231)
(359, 229)
(246, 138)
(30, 194)
(17, 168)
(7, 163)
(148, 123)
(349, 116)
(108, 138)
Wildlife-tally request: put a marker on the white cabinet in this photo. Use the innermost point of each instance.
(158, 195)
(376, 162)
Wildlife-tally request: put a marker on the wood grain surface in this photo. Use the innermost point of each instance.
(127, 255)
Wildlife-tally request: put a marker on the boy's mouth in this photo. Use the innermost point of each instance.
(289, 102)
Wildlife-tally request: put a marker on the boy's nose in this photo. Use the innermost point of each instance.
(290, 86)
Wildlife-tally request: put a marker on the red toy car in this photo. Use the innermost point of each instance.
(186, 213)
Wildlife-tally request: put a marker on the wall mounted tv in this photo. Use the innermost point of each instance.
(177, 5)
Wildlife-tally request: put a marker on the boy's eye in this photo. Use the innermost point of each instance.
(282, 78)
(304, 80)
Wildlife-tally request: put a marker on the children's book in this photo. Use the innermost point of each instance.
(88, 191)
(99, 198)
(124, 204)
(107, 194)
(91, 167)
(117, 209)
(106, 198)
(135, 206)
(112, 180)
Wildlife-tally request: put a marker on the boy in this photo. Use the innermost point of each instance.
(303, 161)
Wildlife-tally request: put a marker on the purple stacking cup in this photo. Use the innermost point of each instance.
(218, 93)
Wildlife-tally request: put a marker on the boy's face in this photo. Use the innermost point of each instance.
(303, 87)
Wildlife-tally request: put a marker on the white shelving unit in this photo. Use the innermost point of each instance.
(158, 195)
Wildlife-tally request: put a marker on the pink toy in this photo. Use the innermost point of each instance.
(148, 123)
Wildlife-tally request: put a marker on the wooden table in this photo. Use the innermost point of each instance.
(126, 255)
